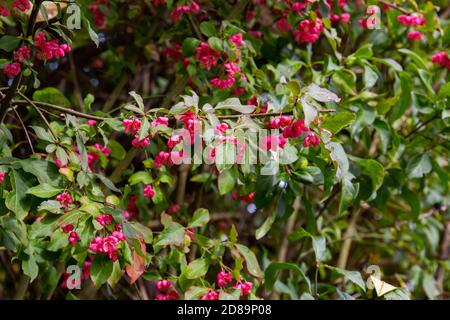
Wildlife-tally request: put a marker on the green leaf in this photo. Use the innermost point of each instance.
(348, 194)
(9, 43)
(17, 200)
(51, 95)
(44, 191)
(117, 150)
(201, 177)
(370, 77)
(373, 169)
(413, 200)
(200, 218)
(194, 293)
(196, 269)
(173, 234)
(272, 271)
(338, 122)
(50, 206)
(43, 134)
(215, 44)
(419, 165)
(30, 268)
(145, 232)
(233, 295)
(226, 181)
(189, 46)
(87, 102)
(309, 110)
(62, 155)
(13, 233)
(415, 57)
(44, 171)
(138, 99)
(235, 104)
(299, 234)
(92, 34)
(140, 177)
(250, 259)
(444, 91)
(107, 182)
(353, 276)
(389, 62)
(319, 246)
(116, 274)
(321, 94)
(208, 29)
(430, 286)
(101, 269)
(403, 90)
(265, 227)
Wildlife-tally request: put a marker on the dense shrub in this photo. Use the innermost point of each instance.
(129, 166)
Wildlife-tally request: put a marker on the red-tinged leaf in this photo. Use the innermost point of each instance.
(136, 269)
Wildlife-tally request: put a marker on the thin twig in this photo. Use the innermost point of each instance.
(62, 109)
(41, 114)
(390, 5)
(73, 70)
(262, 115)
(24, 129)
(349, 234)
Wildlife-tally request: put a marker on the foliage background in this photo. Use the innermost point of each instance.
(312, 238)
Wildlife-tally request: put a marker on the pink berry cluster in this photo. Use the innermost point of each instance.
(108, 244)
(158, 2)
(161, 158)
(4, 11)
(84, 274)
(49, 49)
(73, 235)
(223, 279)
(370, 21)
(132, 126)
(22, 5)
(149, 192)
(166, 291)
(291, 130)
(246, 198)
(412, 21)
(98, 10)
(273, 142)
(441, 59)
(174, 53)
(132, 210)
(92, 156)
(179, 11)
(64, 199)
(308, 31)
(2, 176)
(44, 50)
(104, 219)
(174, 208)
(211, 295)
(209, 58)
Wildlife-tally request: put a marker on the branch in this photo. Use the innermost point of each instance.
(40, 113)
(262, 115)
(390, 5)
(24, 129)
(288, 230)
(349, 234)
(62, 109)
(6, 101)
